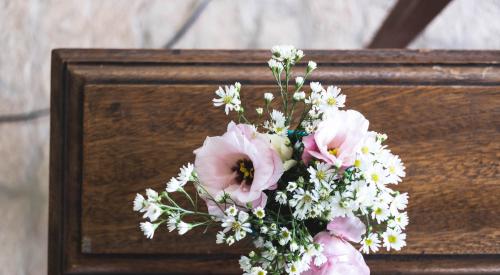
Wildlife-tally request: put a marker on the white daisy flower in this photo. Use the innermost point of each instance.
(259, 212)
(268, 97)
(229, 97)
(299, 80)
(220, 237)
(153, 212)
(232, 211)
(275, 65)
(257, 270)
(316, 87)
(281, 197)
(399, 222)
(380, 212)
(399, 202)
(291, 186)
(277, 124)
(152, 195)
(299, 96)
(332, 99)
(285, 236)
(239, 225)
(173, 185)
(322, 175)
(311, 66)
(259, 111)
(148, 229)
(394, 239)
(184, 227)
(370, 243)
(339, 206)
(172, 222)
(303, 202)
(395, 169)
(139, 203)
(245, 263)
(376, 174)
(230, 240)
(293, 268)
(185, 174)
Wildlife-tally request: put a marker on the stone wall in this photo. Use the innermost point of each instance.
(30, 29)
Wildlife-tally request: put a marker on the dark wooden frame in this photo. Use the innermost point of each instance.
(72, 69)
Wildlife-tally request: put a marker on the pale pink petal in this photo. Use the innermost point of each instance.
(347, 228)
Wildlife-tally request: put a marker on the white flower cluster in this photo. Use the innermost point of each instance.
(323, 102)
(158, 212)
(285, 178)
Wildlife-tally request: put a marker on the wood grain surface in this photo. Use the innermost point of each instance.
(125, 120)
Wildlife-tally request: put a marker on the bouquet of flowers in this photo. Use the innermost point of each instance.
(304, 188)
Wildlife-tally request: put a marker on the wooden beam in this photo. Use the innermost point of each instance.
(405, 21)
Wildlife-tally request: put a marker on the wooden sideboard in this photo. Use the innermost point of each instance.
(125, 120)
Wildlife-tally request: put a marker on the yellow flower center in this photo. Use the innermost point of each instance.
(378, 211)
(333, 151)
(365, 150)
(320, 175)
(392, 169)
(368, 242)
(227, 99)
(392, 239)
(357, 163)
(331, 101)
(375, 177)
(236, 226)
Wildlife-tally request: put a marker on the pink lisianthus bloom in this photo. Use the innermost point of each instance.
(336, 139)
(342, 258)
(241, 164)
(347, 228)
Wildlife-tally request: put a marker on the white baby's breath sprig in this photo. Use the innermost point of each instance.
(229, 96)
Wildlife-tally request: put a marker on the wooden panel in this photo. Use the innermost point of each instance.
(119, 127)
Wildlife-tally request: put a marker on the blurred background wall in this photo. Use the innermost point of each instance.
(29, 29)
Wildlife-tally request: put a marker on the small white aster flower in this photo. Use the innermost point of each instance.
(245, 263)
(230, 240)
(394, 239)
(322, 175)
(291, 186)
(293, 246)
(299, 80)
(264, 229)
(257, 270)
(332, 99)
(229, 97)
(395, 169)
(370, 243)
(148, 229)
(220, 237)
(139, 202)
(184, 227)
(376, 174)
(152, 195)
(259, 212)
(399, 222)
(293, 268)
(173, 185)
(299, 96)
(185, 174)
(281, 197)
(340, 206)
(285, 236)
(303, 202)
(172, 223)
(232, 210)
(380, 212)
(268, 97)
(153, 212)
(311, 66)
(275, 65)
(320, 259)
(316, 87)
(399, 202)
(259, 111)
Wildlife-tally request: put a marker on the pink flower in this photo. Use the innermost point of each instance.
(240, 163)
(342, 258)
(337, 138)
(347, 228)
